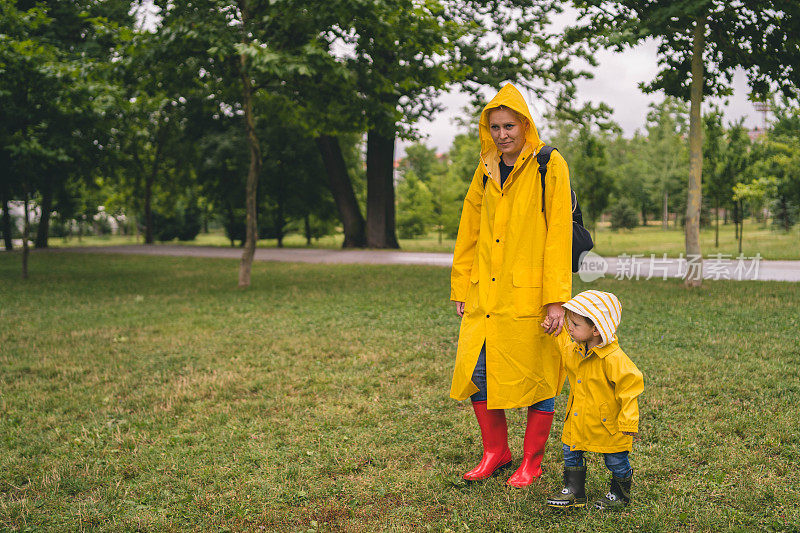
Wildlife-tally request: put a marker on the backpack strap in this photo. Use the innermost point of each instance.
(543, 157)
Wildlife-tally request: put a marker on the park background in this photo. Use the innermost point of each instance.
(150, 393)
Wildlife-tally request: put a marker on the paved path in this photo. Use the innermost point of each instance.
(622, 266)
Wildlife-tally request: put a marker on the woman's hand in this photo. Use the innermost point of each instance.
(460, 309)
(554, 320)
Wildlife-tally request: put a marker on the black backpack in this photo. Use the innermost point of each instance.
(581, 238)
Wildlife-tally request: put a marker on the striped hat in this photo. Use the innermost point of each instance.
(602, 308)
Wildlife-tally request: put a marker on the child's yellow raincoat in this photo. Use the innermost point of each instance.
(507, 265)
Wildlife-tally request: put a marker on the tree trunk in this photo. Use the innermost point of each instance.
(380, 191)
(251, 233)
(716, 233)
(694, 275)
(307, 220)
(7, 235)
(342, 190)
(665, 211)
(280, 222)
(741, 226)
(43, 231)
(148, 207)
(785, 214)
(26, 230)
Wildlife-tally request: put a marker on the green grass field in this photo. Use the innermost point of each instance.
(646, 240)
(149, 394)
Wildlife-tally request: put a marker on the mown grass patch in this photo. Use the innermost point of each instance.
(149, 393)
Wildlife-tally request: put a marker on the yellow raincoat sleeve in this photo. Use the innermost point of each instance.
(557, 267)
(628, 385)
(467, 240)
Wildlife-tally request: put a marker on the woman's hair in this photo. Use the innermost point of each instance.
(588, 320)
(522, 118)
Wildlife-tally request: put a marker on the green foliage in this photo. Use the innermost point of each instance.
(415, 209)
(463, 159)
(623, 215)
(590, 176)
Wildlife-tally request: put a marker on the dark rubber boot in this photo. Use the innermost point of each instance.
(618, 496)
(574, 492)
(494, 433)
(536, 433)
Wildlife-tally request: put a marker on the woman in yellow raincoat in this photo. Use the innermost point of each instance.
(511, 268)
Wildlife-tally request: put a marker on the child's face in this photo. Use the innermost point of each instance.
(579, 328)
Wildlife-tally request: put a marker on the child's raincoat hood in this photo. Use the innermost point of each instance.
(602, 308)
(510, 97)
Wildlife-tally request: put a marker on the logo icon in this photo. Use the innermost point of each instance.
(593, 267)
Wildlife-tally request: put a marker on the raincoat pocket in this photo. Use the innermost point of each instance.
(608, 419)
(527, 293)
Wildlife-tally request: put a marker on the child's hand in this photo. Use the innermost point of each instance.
(547, 323)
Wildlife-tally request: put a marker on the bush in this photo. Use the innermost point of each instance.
(58, 227)
(191, 224)
(410, 225)
(624, 215)
(235, 227)
(183, 224)
(784, 213)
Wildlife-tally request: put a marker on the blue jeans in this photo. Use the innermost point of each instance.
(617, 462)
(479, 379)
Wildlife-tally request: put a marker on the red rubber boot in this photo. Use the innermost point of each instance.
(494, 433)
(536, 433)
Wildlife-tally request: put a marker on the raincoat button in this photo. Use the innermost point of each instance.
(576, 413)
(492, 279)
(487, 316)
(604, 420)
(579, 381)
(497, 240)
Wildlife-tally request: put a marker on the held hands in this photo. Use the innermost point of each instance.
(554, 321)
(631, 434)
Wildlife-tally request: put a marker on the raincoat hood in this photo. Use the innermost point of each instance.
(510, 97)
(602, 308)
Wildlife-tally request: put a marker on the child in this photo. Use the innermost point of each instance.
(602, 410)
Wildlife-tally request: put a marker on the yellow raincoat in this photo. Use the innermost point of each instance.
(507, 265)
(604, 386)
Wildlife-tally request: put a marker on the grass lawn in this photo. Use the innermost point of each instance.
(644, 240)
(148, 393)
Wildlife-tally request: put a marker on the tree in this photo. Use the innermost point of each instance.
(701, 43)
(730, 164)
(589, 175)
(784, 164)
(756, 193)
(54, 96)
(245, 46)
(406, 51)
(462, 157)
(666, 152)
(415, 209)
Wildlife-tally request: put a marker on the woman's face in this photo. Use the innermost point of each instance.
(508, 132)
